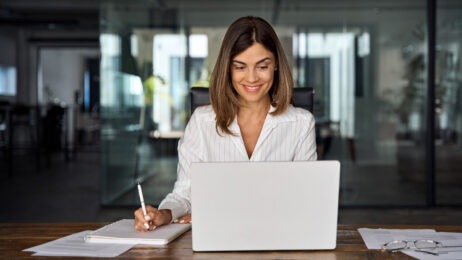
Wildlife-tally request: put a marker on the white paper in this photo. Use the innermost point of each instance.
(375, 238)
(123, 231)
(75, 245)
(452, 247)
(451, 241)
(448, 253)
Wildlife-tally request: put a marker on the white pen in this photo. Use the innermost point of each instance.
(143, 207)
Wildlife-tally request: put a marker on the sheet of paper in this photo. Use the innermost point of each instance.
(75, 245)
(451, 247)
(451, 241)
(375, 238)
(447, 253)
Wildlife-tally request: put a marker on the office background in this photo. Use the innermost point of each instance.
(388, 101)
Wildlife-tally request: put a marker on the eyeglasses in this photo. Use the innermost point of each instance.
(397, 245)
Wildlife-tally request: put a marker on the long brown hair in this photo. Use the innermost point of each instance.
(242, 34)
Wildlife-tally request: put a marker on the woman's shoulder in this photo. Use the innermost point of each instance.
(298, 113)
(204, 113)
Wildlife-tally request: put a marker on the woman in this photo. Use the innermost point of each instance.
(250, 117)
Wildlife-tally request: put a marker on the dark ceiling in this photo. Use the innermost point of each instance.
(49, 14)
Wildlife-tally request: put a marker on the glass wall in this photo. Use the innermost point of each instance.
(366, 62)
(143, 95)
(448, 112)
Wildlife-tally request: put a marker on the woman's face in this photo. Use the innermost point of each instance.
(252, 73)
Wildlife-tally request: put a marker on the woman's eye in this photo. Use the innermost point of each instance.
(239, 68)
(263, 67)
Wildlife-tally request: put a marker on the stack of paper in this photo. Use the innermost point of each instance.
(111, 240)
(451, 241)
(123, 231)
(75, 245)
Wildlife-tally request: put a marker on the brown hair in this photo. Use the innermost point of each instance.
(242, 34)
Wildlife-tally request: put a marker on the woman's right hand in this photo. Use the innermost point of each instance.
(153, 218)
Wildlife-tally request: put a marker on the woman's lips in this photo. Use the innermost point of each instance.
(252, 88)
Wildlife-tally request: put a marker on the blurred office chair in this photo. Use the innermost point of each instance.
(302, 97)
(24, 132)
(55, 131)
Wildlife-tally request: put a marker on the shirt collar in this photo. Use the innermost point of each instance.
(271, 120)
(281, 118)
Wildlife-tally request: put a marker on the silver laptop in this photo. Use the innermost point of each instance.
(243, 206)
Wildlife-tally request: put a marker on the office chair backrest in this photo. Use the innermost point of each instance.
(303, 97)
(199, 96)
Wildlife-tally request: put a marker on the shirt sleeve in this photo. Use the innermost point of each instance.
(190, 149)
(306, 147)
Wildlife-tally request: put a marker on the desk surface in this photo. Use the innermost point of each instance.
(14, 237)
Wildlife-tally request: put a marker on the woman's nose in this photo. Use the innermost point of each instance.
(251, 76)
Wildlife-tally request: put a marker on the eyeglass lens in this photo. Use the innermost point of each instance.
(395, 245)
(420, 244)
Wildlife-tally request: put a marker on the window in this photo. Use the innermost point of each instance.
(7, 80)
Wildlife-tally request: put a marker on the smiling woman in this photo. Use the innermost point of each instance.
(252, 75)
(250, 118)
(251, 43)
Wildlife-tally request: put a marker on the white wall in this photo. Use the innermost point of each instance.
(62, 72)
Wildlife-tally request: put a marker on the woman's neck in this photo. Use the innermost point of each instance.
(251, 119)
(254, 111)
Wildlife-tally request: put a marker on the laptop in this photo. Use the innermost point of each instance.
(247, 206)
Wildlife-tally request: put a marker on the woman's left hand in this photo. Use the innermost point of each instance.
(183, 220)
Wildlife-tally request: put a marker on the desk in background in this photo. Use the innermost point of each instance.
(14, 237)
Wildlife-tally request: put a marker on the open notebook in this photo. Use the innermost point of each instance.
(123, 232)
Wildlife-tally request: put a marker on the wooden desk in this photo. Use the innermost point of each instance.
(14, 237)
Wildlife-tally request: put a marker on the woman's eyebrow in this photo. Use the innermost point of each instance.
(239, 62)
(258, 62)
(264, 60)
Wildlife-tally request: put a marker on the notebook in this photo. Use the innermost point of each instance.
(123, 232)
(244, 206)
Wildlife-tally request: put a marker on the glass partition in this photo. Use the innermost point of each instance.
(367, 66)
(143, 103)
(366, 62)
(120, 116)
(448, 113)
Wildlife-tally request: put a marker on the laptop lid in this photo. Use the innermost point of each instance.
(264, 205)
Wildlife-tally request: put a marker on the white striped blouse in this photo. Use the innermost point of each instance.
(286, 137)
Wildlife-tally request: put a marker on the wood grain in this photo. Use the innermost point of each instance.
(14, 237)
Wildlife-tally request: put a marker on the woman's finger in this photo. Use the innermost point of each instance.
(142, 222)
(184, 219)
